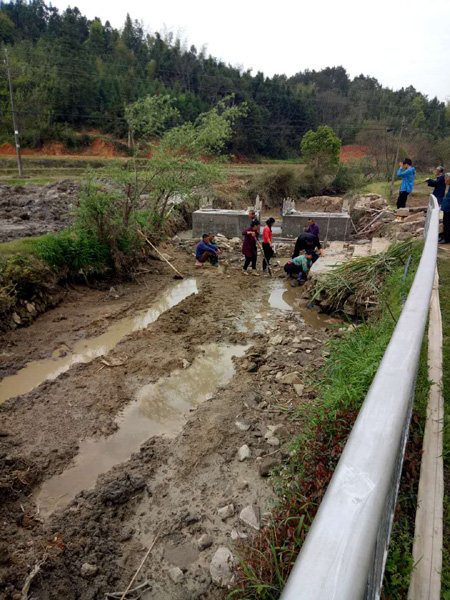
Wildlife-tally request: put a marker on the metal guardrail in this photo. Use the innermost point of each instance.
(344, 554)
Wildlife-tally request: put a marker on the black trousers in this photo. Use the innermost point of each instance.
(250, 259)
(401, 200)
(446, 233)
(268, 253)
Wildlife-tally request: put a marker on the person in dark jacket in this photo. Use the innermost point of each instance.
(249, 247)
(312, 228)
(438, 184)
(207, 251)
(445, 207)
(308, 242)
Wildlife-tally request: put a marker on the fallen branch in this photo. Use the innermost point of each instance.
(159, 253)
(140, 567)
(373, 221)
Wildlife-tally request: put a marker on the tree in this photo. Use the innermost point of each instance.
(6, 29)
(321, 147)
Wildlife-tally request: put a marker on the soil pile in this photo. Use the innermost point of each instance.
(35, 209)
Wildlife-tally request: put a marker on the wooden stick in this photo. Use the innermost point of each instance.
(141, 565)
(161, 255)
(29, 579)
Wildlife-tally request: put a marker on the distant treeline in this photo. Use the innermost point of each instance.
(71, 73)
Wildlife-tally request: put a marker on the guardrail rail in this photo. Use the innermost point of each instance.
(344, 554)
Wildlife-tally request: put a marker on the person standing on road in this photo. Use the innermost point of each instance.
(407, 172)
(308, 242)
(312, 227)
(267, 244)
(249, 248)
(438, 184)
(445, 207)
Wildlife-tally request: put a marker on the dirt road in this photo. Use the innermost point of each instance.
(124, 417)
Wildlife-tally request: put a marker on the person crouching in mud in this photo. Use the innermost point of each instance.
(249, 247)
(207, 251)
(300, 266)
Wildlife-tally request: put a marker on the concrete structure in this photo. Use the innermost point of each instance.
(230, 223)
(338, 225)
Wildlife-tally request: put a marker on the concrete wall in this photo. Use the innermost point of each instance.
(230, 223)
(338, 225)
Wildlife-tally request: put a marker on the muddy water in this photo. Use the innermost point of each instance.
(35, 373)
(287, 298)
(160, 408)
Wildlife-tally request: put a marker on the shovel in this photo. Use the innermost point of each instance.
(262, 252)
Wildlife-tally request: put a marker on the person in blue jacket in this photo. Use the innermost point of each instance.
(407, 172)
(438, 184)
(445, 207)
(207, 251)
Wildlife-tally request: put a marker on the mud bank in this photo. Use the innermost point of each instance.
(203, 425)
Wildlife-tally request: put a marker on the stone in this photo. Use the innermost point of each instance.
(226, 511)
(244, 452)
(204, 542)
(299, 389)
(88, 570)
(276, 340)
(243, 425)
(186, 363)
(402, 212)
(415, 217)
(30, 307)
(293, 377)
(221, 565)
(238, 535)
(176, 574)
(273, 441)
(15, 317)
(252, 367)
(267, 465)
(250, 516)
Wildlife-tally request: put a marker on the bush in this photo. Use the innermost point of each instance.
(274, 184)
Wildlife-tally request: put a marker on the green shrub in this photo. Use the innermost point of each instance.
(274, 184)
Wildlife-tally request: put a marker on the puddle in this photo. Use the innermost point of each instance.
(35, 373)
(287, 298)
(160, 408)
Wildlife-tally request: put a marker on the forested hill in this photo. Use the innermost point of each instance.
(69, 71)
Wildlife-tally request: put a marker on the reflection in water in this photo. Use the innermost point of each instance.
(35, 373)
(159, 408)
(287, 298)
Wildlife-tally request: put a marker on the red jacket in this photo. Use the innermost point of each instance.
(267, 235)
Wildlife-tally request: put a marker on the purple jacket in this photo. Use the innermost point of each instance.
(314, 229)
(249, 245)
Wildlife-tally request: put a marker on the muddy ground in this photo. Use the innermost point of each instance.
(170, 487)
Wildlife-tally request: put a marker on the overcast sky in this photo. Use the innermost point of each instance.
(400, 43)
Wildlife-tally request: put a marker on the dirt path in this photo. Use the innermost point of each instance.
(159, 420)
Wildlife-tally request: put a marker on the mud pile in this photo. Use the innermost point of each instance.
(33, 210)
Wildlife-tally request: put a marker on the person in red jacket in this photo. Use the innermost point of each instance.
(249, 248)
(267, 242)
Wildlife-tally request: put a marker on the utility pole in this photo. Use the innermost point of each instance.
(16, 131)
(396, 157)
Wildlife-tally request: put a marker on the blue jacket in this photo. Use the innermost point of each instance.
(203, 247)
(439, 186)
(407, 179)
(445, 206)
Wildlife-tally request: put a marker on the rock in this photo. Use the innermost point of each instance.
(415, 217)
(88, 570)
(220, 567)
(250, 516)
(243, 425)
(299, 389)
(252, 367)
(186, 363)
(244, 452)
(276, 340)
(273, 441)
(226, 511)
(15, 317)
(204, 542)
(237, 535)
(402, 212)
(266, 465)
(242, 485)
(30, 308)
(291, 378)
(176, 574)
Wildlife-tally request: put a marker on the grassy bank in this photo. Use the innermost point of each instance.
(341, 388)
(444, 279)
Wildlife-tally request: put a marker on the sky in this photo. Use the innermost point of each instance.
(399, 43)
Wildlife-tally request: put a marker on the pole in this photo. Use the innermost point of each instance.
(396, 158)
(16, 131)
